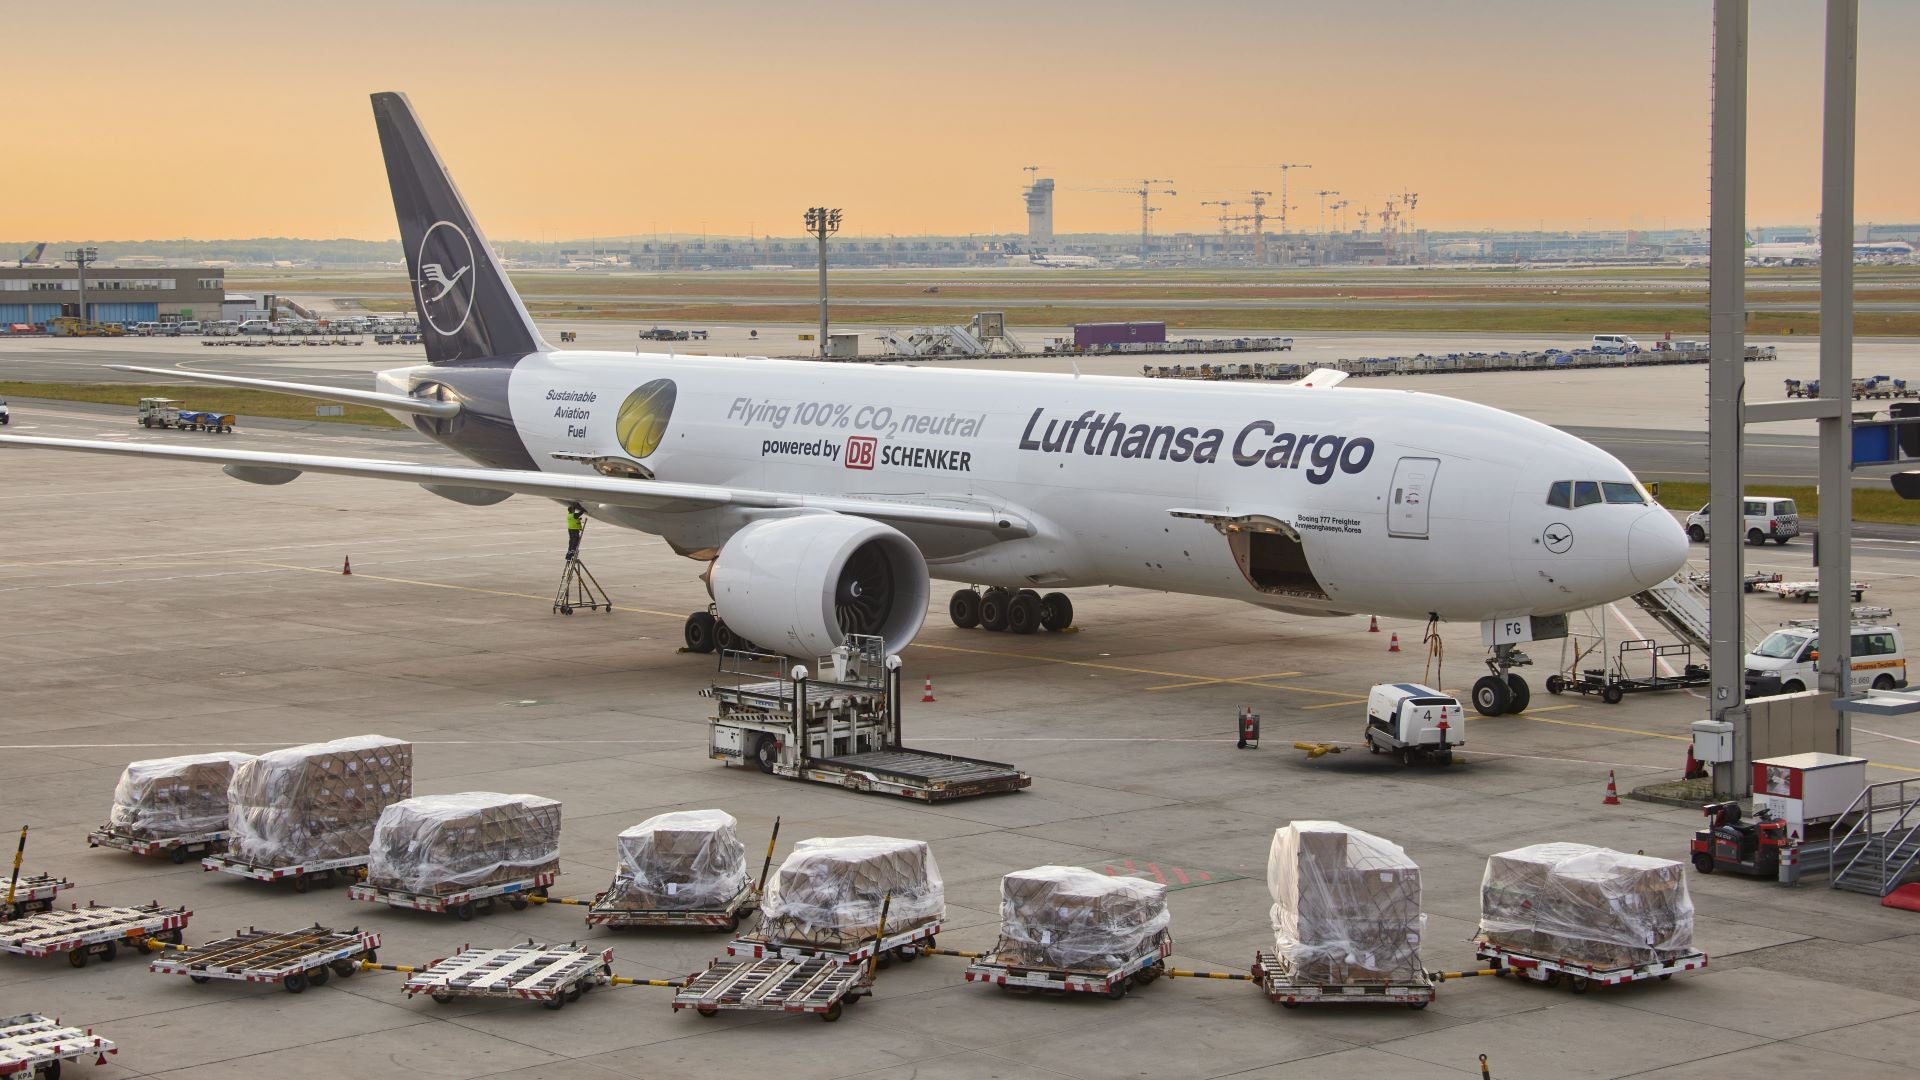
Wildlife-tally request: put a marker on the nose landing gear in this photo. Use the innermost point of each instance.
(1502, 692)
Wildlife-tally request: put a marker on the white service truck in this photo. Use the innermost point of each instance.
(1416, 722)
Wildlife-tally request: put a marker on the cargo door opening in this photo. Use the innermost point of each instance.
(1275, 563)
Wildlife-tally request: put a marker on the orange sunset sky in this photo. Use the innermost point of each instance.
(568, 118)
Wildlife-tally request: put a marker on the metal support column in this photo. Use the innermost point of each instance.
(1836, 359)
(1726, 379)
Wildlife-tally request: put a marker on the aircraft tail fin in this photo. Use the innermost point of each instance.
(468, 309)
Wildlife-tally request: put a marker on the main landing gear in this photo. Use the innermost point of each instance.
(706, 632)
(1022, 612)
(1502, 692)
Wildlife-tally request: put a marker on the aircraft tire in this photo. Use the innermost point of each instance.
(993, 608)
(1056, 612)
(1521, 692)
(700, 632)
(1024, 613)
(964, 609)
(1491, 696)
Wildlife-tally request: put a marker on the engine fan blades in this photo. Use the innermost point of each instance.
(863, 597)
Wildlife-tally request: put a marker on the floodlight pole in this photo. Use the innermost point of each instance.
(1836, 360)
(1726, 379)
(823, 222)
(82, 258)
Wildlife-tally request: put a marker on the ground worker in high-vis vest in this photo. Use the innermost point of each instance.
(576, 524)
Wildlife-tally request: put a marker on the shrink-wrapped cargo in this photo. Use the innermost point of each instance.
(689, 860)
(1067, 918)
(828, 893)
(161, 798)
(317, 802)
(1586, 905)
(438, 844)
(1346, 906)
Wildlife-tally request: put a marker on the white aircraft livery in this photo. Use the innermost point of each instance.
(824, 497)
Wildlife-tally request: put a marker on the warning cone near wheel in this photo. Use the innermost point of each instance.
(928, 694)
(1393, 644)
(346, 568)
(1613, 793)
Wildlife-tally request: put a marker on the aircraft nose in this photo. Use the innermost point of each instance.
(1656, 548)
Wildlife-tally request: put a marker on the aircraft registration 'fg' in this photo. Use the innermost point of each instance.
(824, 497)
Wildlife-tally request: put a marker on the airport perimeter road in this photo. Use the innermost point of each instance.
(156, 608)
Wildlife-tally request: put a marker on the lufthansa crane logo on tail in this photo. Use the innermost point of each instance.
(445, 285)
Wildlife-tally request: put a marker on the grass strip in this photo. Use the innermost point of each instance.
(239, 401)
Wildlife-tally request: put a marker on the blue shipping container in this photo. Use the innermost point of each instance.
(124, 313)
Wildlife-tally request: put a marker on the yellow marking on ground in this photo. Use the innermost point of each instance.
(444, 585)
(1605, 727)
(1221, 679)
(1334, 704)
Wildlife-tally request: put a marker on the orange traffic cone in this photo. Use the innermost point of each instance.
(1393, 644)
(1373, 624)
(1613, 793)
(928, 695)
(346, 568)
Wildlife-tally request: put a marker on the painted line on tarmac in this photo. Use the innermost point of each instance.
(1213, 682)
(443, 585)
(415, 742)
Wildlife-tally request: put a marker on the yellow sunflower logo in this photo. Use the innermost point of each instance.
(643, 417)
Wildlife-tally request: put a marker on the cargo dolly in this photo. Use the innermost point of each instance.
(819, 986)
(553, 975)
(33, 894)
(1805, 591)
(842, 728)
(903, 946)
(1280, 985)
(726, 917)
(1549, 971)
(87, 932)
(294, 960)
(177, 848)
(302, 875)
(461, 905)
(32, 1045)
(1613, 685)
(1115, 983)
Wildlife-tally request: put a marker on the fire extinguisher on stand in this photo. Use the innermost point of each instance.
(1249, 729)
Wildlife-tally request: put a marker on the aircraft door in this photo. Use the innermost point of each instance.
(1407, 502)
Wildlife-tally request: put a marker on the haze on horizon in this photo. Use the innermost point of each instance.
(578, 118)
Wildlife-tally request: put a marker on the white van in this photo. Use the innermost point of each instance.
(1792, 653)
(1764, 518)
(257, 326)
(1614, 343)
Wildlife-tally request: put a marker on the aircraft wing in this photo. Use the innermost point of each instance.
(658, 495)
(396, 402)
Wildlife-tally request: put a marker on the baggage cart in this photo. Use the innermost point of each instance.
(1282, 986)
(177, 848)
(903, 946)
(1115, 983)
(726, 917)
(301, 875)
(1805, 591)
(294, 959)
(1611, 685)
(553, 975)
(32, 1045)
(83, 933)
(1551, 971)
(461, 905)
(819, 986)
(33, 894)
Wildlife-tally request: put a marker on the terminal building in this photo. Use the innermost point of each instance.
(113, 294)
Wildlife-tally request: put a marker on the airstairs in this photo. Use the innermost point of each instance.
(1880, 851)
(1681, 607)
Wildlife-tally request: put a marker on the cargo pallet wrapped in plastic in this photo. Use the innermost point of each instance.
(1346, 907)
(689, 860)
(163, 798)
(435, 845)
(315, 803)
(1066, 918)
(829, 891)
(1587, 906)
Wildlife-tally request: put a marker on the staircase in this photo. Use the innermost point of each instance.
(1681, 607)
(1879, 852)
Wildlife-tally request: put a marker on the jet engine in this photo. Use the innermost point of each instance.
(800, 585)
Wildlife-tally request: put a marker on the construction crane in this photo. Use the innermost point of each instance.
(1259, 199)
(1323, 209)
(1364, 214)
(1389, 216)
(1145, 193)
(1412, 202)
(1226, 233)
(1340, 208)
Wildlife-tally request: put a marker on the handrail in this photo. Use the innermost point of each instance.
(1866, 821)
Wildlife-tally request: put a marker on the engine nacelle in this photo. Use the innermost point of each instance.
(800, 585)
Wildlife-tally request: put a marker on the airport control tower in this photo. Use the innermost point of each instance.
(1040, 212)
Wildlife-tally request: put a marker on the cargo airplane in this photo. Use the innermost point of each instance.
(823, 498)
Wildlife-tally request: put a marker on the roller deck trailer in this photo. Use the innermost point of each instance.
(83, 933)
(728, 917)
(1551, 971)
(294, 959)
(33, 1045)
(461, 905)
(301, 875)
(916, 774)
(550, 974)
(1114, 983)
(32, 894)
(1282, 986)
(1805, 591)
(822, 987)
(904, 945)
(177, 848)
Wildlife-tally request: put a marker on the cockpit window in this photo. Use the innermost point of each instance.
(1561, 494)
(1623, 493)
(1585, 492)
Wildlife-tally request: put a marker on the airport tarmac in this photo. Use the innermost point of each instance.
(153, 609)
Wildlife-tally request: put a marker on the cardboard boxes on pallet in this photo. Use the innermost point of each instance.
(316, 802)
(1064, 918)
(439, 844)
(162, 798)
(828, 893)
(685, 861)
(1346, 906)
(1587, 905)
